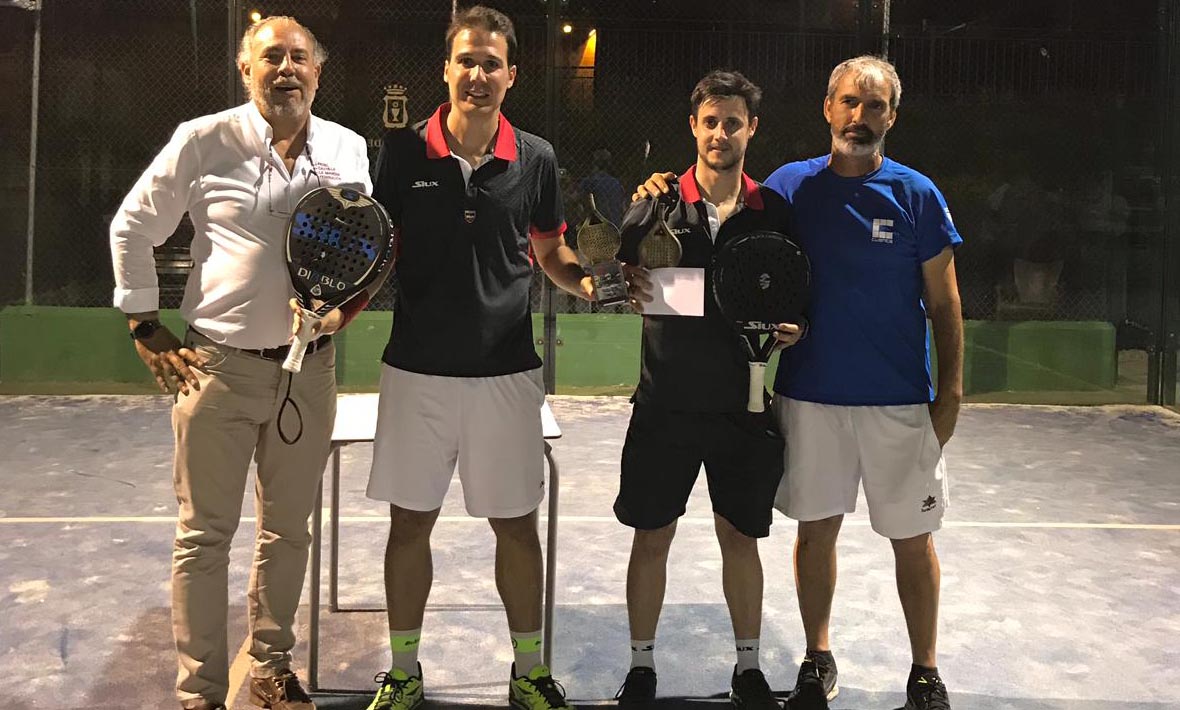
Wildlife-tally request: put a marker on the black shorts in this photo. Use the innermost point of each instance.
(743, 457)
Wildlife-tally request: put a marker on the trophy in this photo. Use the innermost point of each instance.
(659, 248)
(599, 242)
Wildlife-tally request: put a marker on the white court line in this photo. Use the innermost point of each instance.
(593, 519)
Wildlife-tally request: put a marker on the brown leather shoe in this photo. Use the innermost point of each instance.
(282, 692)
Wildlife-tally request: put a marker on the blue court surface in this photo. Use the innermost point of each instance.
(1060, 560)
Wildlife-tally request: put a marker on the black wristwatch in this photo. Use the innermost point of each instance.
(145, 329)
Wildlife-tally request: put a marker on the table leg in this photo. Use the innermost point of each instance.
(334, 544)
(550, 556)
(313, 636)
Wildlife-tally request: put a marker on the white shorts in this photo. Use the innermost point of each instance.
(487, 428)
(831, 449)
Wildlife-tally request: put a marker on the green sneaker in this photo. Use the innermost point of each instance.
(398, 691)
(536, 691)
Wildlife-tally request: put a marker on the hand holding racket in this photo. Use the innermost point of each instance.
(339, 241)
(761, 279)
(599, 242)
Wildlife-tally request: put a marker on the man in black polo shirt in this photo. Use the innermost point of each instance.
(461, 386)
(690, 406)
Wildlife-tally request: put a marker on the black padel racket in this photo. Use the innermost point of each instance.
(339, 240)
(761, 279)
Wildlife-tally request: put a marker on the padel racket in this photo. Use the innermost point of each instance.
(599, 241)
(339, 241)
(761, 279)
(660, 248)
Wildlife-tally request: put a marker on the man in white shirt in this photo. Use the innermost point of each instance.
(238, 174)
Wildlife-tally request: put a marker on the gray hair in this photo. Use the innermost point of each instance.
(319, 54)
(869, 71)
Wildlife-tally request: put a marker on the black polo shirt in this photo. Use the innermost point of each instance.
(687, 363)
(463, 265)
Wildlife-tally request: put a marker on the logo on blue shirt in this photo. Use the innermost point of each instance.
(882, 231)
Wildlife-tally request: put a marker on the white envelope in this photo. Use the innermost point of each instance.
(677, 291)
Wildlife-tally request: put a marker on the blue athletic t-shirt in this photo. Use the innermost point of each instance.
(867, 238)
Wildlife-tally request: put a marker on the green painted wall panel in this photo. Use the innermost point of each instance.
(594, 352)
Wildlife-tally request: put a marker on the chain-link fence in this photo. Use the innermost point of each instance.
(1044, 140)
(16, 49)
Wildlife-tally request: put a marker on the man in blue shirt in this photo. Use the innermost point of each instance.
(855, 398)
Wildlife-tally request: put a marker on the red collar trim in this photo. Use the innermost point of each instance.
(691, 192)
(436, 140)
(753, 196)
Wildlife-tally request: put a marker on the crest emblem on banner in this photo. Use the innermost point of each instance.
(394, 113)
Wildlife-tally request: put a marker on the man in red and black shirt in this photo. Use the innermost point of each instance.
(691, 403)
(461, 385)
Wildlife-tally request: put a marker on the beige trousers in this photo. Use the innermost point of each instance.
(235, 417)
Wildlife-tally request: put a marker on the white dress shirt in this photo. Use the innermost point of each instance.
(223, 171)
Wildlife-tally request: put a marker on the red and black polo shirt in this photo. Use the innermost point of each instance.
(462, 306)
(698, 364)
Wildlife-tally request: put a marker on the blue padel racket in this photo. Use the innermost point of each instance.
(339, 240)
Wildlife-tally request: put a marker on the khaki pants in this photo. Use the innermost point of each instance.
(233, 417)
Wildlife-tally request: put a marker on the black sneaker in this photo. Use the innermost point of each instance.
(926, 692)
(816, 684)
(751, 692)
(638, 687)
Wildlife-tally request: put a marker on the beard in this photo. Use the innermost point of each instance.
(728, 161)
(857, 144)
(273, 102)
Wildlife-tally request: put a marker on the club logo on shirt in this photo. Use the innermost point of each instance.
(419, 184)
(764, 281)
(882, 231)
(326, 172)
(469, 216)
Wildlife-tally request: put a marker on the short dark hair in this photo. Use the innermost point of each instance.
(720, 84)
(480, 17)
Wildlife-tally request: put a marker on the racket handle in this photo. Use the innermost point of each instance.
(294, 361)
(757, 401)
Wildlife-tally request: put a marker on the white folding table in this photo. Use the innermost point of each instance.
(356, 422)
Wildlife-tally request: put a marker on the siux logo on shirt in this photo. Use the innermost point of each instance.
(419, 184)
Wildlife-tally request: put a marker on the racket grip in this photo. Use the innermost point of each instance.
(757, 402)
(294, 361)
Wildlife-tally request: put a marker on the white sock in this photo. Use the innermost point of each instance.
(643, 653)
(747, 655)
(526, 651)
(404, 644)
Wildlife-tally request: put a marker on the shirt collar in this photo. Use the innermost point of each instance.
(262, 129)
(436, 139)
(691, 192)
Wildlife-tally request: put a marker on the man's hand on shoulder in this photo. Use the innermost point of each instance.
(656, 185)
